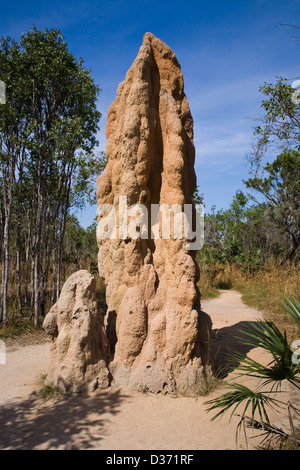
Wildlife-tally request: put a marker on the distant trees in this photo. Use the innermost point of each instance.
(281, 192)
(47, 138)
(238, 235)
(279, 182)
(249, 233)
(264, 224)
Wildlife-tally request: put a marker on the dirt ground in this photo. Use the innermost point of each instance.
(117, 419)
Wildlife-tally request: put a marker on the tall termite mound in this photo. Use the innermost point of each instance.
(158, 335)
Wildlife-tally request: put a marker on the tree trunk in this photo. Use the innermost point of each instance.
(19, 294)
(53, 296)
(7, 201)
(27, 265)
(12, 280)
(37, 260)
(5, 264)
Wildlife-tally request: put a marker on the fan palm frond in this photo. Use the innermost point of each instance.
(240, 394)
(292, 306)
(273, 373)
(267, 336)
(281, 367)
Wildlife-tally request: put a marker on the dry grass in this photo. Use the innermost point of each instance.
(267, 290)
(214, 278)
(264, 289)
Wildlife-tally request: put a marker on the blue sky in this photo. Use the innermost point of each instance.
(226, 49)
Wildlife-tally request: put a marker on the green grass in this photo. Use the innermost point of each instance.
(48, 391)
(266, 292)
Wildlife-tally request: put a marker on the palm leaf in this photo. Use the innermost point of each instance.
(242, 395)
(265, 335)
(292, 306)
(274, 372)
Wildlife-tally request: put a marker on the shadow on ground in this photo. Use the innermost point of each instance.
(225, 340)
(70, 423)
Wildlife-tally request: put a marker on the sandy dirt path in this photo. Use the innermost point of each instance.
(117, 419)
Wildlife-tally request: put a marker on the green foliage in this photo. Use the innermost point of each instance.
(236, 235)
(281, 190)
(48, 132)
(281, 119)
(251, 232)
(292, 306)
(256, 401)
(80, 248)
(198, 198)
(88, 168)
(263, 225)
(267, 336)
(48, 391)
(15, 328)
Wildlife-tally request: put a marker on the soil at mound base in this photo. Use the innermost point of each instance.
(116, 419)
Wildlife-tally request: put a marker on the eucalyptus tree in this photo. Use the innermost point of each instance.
(54, 103)
(13, 128)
